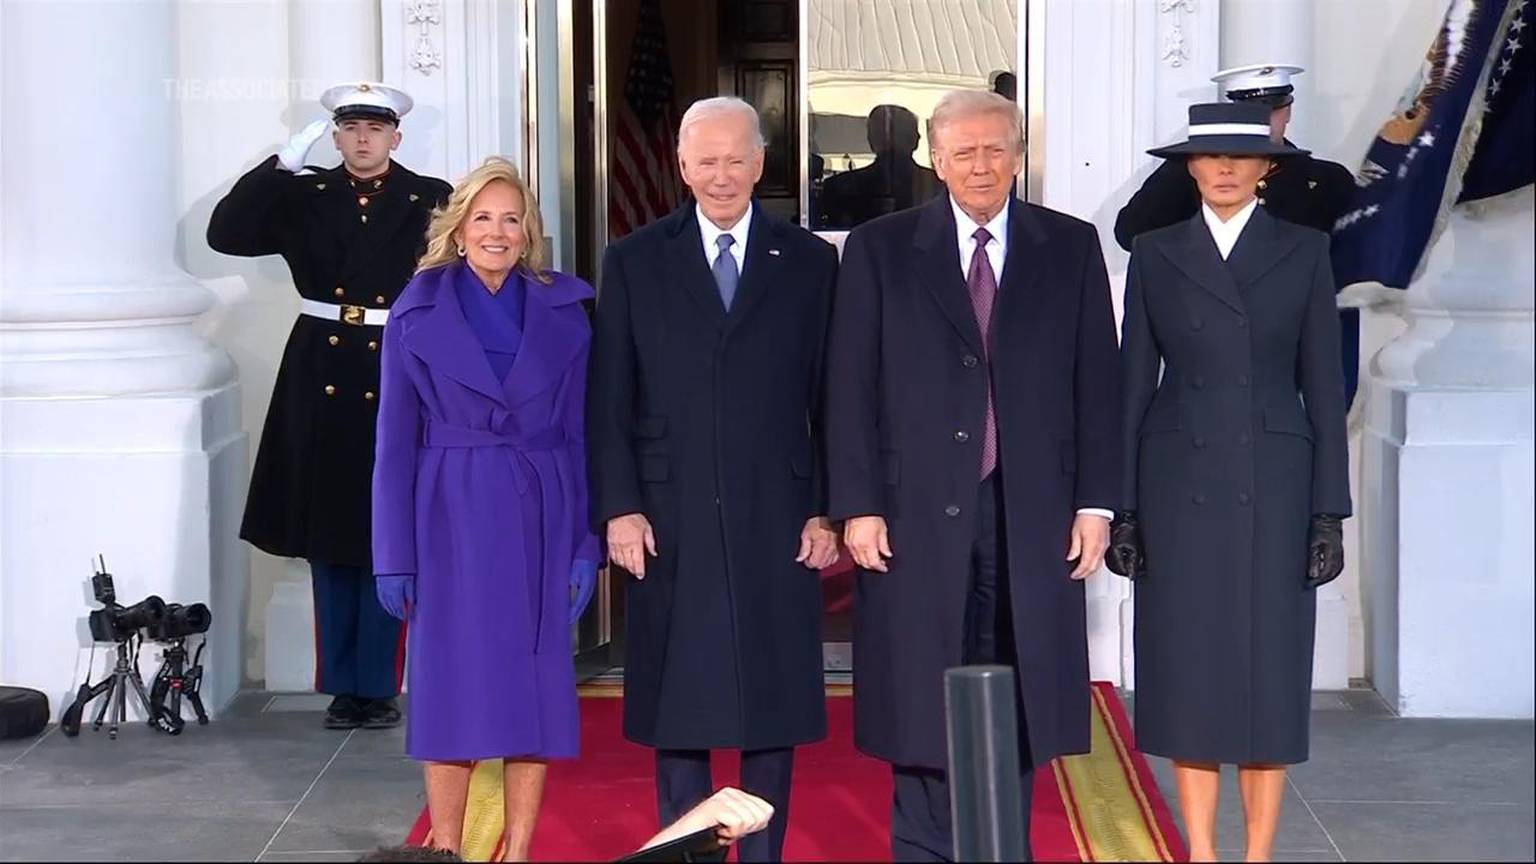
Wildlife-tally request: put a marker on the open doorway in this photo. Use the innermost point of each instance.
(662, 55)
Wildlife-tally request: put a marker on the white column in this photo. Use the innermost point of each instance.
(1273, 31)
(119, 425)
(1449, 471)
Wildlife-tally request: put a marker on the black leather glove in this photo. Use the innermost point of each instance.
(1124, 556)
(1325, 550)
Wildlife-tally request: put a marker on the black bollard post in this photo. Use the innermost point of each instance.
(984, 794)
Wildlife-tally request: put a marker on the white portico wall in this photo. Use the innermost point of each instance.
(120, 429)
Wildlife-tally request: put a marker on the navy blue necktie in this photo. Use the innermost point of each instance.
(726, 274)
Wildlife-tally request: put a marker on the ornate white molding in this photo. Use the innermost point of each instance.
(1175, 50)
(1469, 312)
(422, 55)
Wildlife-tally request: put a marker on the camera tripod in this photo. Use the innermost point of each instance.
(175, 680)
(116, 686)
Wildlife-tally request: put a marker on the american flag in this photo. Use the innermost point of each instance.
(646, 183)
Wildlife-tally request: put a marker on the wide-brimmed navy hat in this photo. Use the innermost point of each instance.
(1228, 129)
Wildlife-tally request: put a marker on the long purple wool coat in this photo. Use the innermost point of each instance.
(480, 489)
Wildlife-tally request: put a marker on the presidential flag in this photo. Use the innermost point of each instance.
(1503, 159)
(646, 181)
(1462, 131)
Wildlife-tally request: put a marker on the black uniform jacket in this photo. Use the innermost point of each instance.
(310, 489)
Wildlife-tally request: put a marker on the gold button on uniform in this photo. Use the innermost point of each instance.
(362, 201)
(373, 346)
(340, 291)
(1263, 184)
(334, 340)
(365, 218)
(380, 300)
(368, 395)
(330, 390)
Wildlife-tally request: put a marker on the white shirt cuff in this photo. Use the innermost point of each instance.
(1096, 511)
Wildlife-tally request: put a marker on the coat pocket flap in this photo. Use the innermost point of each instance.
(651, 427)
(1288, 422)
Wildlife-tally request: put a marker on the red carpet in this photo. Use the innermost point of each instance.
(1103, 806)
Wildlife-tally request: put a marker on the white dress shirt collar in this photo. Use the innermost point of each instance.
(711, 234)
(997, 247)
(1226, 233)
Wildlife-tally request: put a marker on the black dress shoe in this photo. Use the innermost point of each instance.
(381, 714)
(345, 712)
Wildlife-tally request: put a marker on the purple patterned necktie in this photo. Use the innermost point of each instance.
(981, 283)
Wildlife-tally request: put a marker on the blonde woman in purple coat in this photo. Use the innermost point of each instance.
(479, 498)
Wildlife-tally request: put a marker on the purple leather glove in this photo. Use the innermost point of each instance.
(396, 593)
(583, 582)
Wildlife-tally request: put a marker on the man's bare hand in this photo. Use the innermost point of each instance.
(731, 812)
(818, 544)
(1090, 537)
(868, 542)
(630, 539)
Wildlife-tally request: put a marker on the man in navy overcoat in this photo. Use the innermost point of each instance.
(972, 389)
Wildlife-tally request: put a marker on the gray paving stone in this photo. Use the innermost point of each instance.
(227, 762)
(357, 804)
(1430, 832)
(376, 744)
(138, 830)
(1395, 759)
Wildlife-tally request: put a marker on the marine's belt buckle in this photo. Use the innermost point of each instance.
(354, 315)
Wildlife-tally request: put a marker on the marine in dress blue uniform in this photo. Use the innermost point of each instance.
(351, 236)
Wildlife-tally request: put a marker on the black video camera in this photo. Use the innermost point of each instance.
(179, 622)
(118, 623)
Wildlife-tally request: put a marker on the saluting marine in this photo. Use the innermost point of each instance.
(351, 236)
(1301, 190)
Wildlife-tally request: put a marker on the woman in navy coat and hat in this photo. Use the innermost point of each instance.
(480, 538)
(1236, 476)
